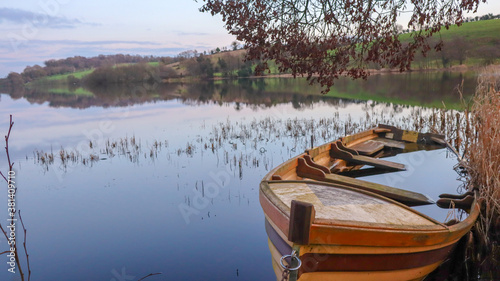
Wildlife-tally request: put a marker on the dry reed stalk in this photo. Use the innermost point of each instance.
(483, 152)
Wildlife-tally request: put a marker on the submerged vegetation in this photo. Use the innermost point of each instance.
(246, 143)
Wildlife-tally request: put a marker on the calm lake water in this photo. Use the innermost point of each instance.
(164, 178)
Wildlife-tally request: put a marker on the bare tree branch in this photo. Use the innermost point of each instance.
(324, 39)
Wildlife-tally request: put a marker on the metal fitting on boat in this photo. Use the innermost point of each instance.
(292, 256)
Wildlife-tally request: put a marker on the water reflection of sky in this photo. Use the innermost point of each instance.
(40, 126)
(92, 222)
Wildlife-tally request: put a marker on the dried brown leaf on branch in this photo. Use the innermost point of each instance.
(324, 39)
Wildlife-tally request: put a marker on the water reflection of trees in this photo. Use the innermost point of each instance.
(417, 88)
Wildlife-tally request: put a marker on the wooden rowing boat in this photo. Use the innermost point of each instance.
(344, 228)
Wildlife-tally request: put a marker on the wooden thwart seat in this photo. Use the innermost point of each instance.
(339, 151)
(391, 143)
(356, 173)
(368, 147)
(307, 168)
(411, 136)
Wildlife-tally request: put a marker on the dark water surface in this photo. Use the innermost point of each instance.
(168, 181)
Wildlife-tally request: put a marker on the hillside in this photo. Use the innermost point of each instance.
(472, 44)
(482, 32)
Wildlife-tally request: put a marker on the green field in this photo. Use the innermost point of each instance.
(479, 40)
(484, 30)
(77, 74)
(479, 32)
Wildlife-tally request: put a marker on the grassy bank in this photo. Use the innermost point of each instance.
(64, 77)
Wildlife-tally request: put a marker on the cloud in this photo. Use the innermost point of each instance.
(91, 51)
(93, 43)
(18, 16)
(182, 33)
(7, 47)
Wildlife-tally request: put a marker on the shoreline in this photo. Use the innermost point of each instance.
(457, 68)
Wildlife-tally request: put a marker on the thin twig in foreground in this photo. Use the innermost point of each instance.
(24, 244)
(7, 149)
(149, 275)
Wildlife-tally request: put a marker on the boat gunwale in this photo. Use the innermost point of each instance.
(444, 233)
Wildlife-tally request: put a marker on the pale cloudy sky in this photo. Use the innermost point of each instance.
(32, 31)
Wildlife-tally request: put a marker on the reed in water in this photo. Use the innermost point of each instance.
(481, 152)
